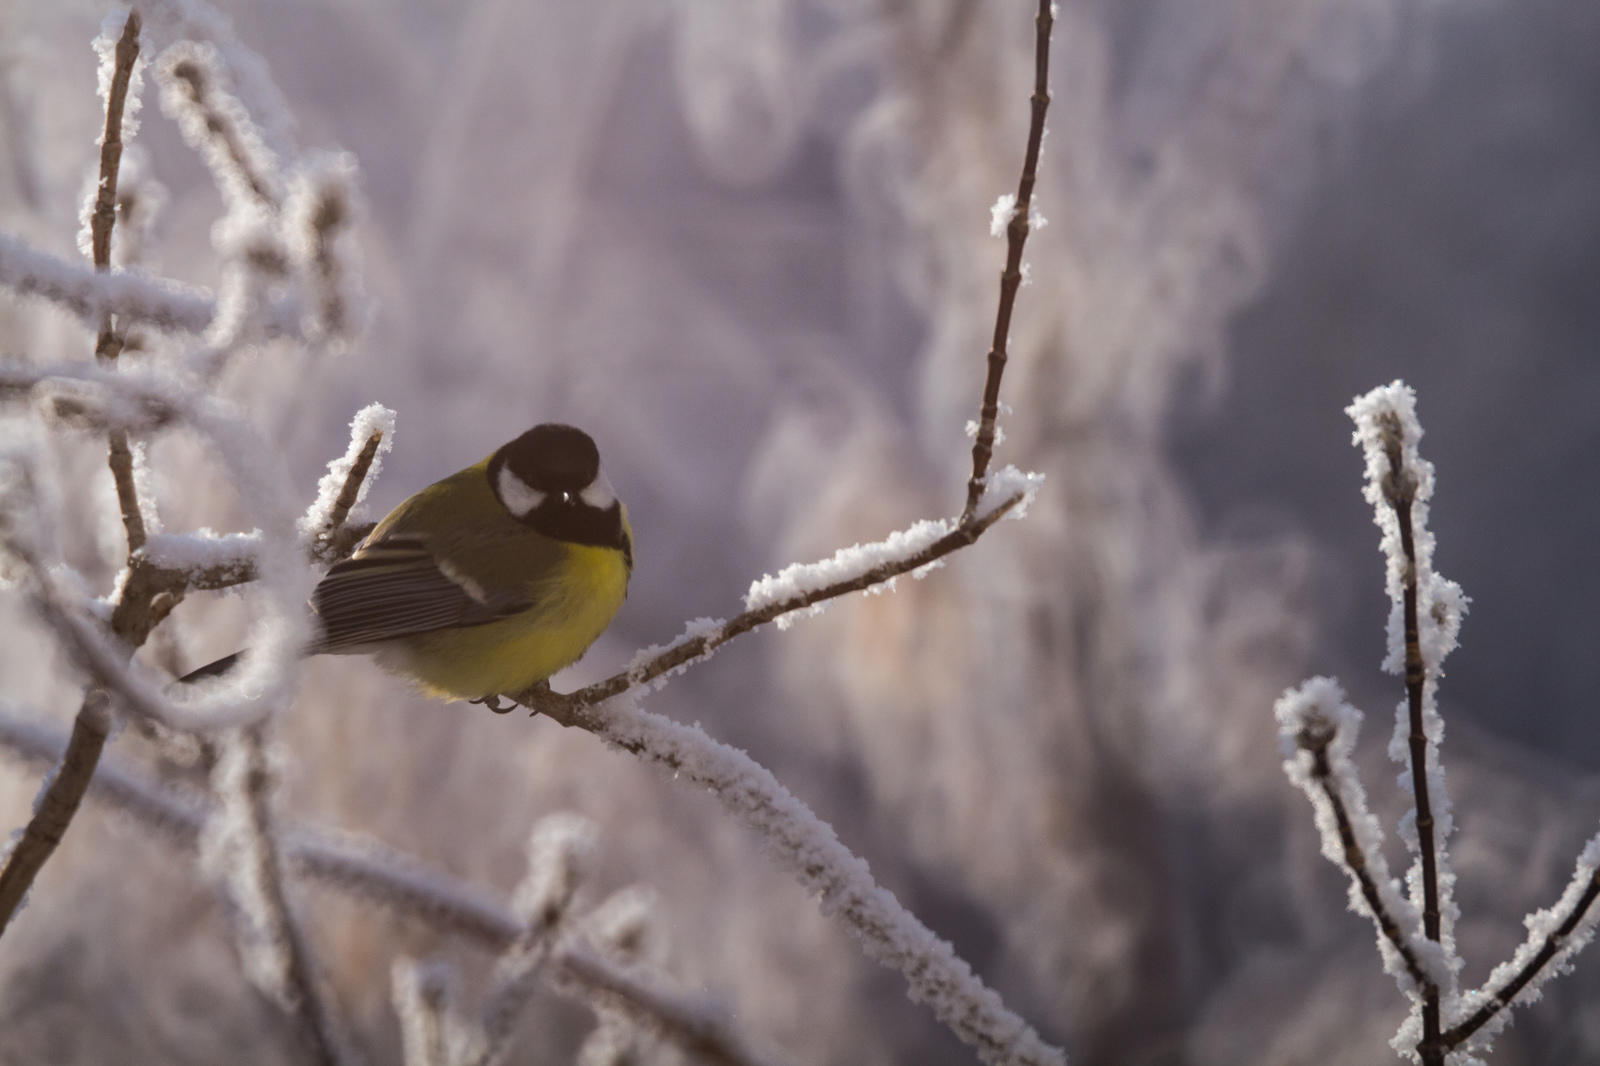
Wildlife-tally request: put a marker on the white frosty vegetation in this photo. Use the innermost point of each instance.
(809, 849)
(1318, 730)
(858, 561)
(288, 269)
(374, 422)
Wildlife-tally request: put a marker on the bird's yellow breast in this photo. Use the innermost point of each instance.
(572, 608)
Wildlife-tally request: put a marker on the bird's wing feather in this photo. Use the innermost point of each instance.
(398, 587)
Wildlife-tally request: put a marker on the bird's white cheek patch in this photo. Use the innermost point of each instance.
(516, 495)
(599, 494)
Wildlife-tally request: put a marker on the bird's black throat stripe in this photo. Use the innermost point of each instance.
(570, 520)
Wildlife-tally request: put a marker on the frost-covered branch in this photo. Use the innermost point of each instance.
(558, 857)
(808, 848)
(102, 210)
(1318, 730)
(357, 866)
(239, 848)
(1424, 620)
(132, 295)
(59, 803)
(1555, 935)
(1016, 228)
(697, 1028)
(345, 484)
(806, 588)
(422, 1001)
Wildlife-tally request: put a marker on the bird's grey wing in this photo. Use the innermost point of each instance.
(395, 588)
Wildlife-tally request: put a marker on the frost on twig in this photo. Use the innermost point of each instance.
(423, 998)
(1555, 935)
(1014, 213)
(239, 850)
(625, 928)
(345, 485)
(1317, 730)
(132, 295)
(1424, 619)
(558, 858)
(805, 588)
(357, 866)
(319, 218)
(808, 848)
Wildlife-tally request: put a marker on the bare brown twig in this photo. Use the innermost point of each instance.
(1011, 276)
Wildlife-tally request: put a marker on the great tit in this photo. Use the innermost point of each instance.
(486, 582)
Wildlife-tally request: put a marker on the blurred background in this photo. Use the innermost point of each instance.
(745, 244)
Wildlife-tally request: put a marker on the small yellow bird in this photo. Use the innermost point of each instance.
(486, 582)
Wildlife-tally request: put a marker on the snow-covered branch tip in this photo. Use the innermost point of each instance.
(1019, 212)
(1424, 619)
(195, 95)
(343, 488)
(1317, 730)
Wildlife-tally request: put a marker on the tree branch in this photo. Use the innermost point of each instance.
(1011, 276)
(808, 847)
(1400, 489)
(61, 800)
(58, 805)
(1315, 738)
(359, 867)
(1565, 939)
(244, 783)
(700, 643)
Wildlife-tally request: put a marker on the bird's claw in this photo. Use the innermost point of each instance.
(494, 704)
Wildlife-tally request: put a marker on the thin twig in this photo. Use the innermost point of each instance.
(303, 989)
(1011, 276)
(701, 1032)
(58, 805)
(1400, 489)
(109, 343)
(352, 484)
(62, 798)
(1458, 1034)
(1316, 739)
(700, 645)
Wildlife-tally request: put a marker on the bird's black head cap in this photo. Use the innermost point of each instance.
(551, 458)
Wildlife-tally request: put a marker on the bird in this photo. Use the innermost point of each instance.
(486, 582)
